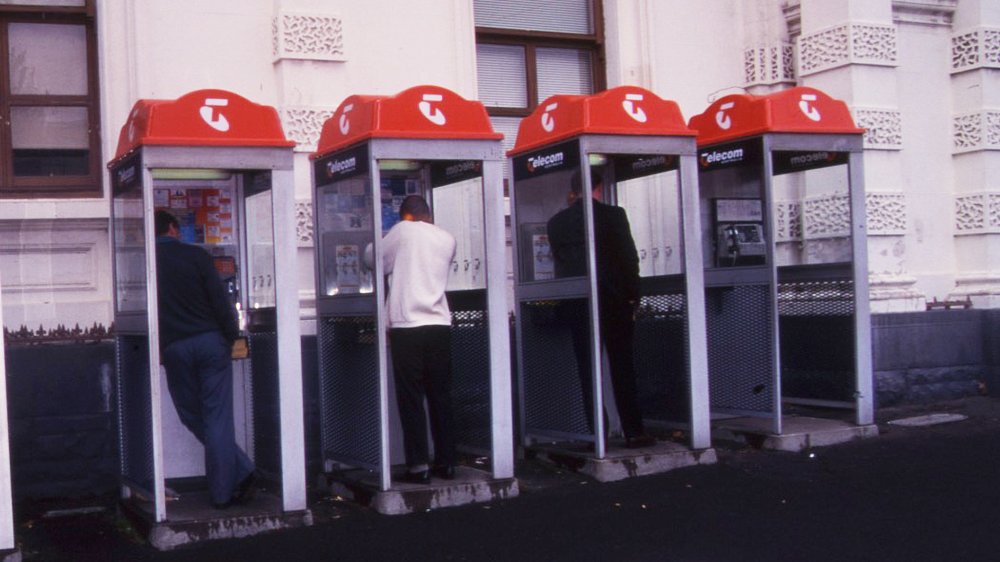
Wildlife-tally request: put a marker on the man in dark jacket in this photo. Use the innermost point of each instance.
(198, 326)
(617, 268)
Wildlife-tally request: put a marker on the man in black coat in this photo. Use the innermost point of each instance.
(617, 268)
(198, 326)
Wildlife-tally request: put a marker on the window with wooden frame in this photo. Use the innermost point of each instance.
(528, 50)
(50, 144)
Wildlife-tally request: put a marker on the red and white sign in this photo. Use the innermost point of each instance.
(201, 118)
(796, 110)
(625, 110)
(421, 112)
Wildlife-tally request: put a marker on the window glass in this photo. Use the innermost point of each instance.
(563, 71)
(561, 16)
(502, 75)
(50, 141)
(48, 59)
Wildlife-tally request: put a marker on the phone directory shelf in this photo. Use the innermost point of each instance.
(583, 272)
(373, 153)
(221, 165)
(781, 187)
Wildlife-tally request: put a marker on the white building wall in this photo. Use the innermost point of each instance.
(305, 56)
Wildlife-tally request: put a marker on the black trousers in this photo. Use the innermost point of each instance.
(421, 366)
(617, 330)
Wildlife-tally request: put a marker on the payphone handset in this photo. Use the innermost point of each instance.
(739, 231)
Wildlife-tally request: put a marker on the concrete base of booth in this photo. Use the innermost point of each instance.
(620, 463)
(469, 486)
(798, 433)
(191, 519)
(12, 555)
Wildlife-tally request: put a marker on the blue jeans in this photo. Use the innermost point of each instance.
(200, 379)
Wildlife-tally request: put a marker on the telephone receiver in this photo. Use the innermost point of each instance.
(433, 114)
(733, 241)
(214, 120)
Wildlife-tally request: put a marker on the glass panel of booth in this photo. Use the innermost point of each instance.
(457, 203)
(130, 249)
(811, 207)
(260, 241)
(648, 188)
(345, 214)
(537, 200)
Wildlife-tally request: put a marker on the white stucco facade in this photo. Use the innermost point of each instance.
(923, 76)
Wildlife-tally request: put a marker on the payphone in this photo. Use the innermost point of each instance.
(221, 165)
(785, 271)
(632, 153)
(373, 152)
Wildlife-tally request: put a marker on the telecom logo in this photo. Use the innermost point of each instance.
(460, 168)
(546, 161)
(335, 167)
(806, 159)
(720, 157)
(126, 175)
(653, 162)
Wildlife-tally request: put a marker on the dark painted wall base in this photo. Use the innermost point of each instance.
(63, 423)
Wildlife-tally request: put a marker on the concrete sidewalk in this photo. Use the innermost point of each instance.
(916, 492)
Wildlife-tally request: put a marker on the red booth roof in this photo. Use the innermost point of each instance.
(201, 118)
(420, 112)
(625, 110)
(796, 110)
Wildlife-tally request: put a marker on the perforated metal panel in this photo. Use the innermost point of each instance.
(470, 356)
(816, 323)
(740, 348)
(349, 391)
(264, 390)
(661, 357)
(135, 418)
(553, 400)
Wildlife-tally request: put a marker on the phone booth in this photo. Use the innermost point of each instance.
(222, 165)
(641, 151)
(9, 550)
(782, 197)
(372, 153)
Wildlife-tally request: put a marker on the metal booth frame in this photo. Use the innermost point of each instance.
(798, 120)
(622, 121)
(423, 123)
(180, 134)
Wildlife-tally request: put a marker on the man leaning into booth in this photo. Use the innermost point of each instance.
(198, 326)
(417, 255)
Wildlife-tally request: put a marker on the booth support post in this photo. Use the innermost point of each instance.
(694, 276)
(153, 329)
(293, 472)
(6, 492)
(767, 195)
(500, 373)
(865, 392)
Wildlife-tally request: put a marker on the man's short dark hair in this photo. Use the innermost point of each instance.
(576, 181)
(163, 220)
(415, 205)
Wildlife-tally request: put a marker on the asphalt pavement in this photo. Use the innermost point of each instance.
(926, 493)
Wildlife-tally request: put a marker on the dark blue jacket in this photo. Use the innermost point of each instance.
(191, 297)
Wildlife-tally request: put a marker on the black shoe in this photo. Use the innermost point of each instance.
(247, 489)
(446, 471)
(639, 441)
(419, 477)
